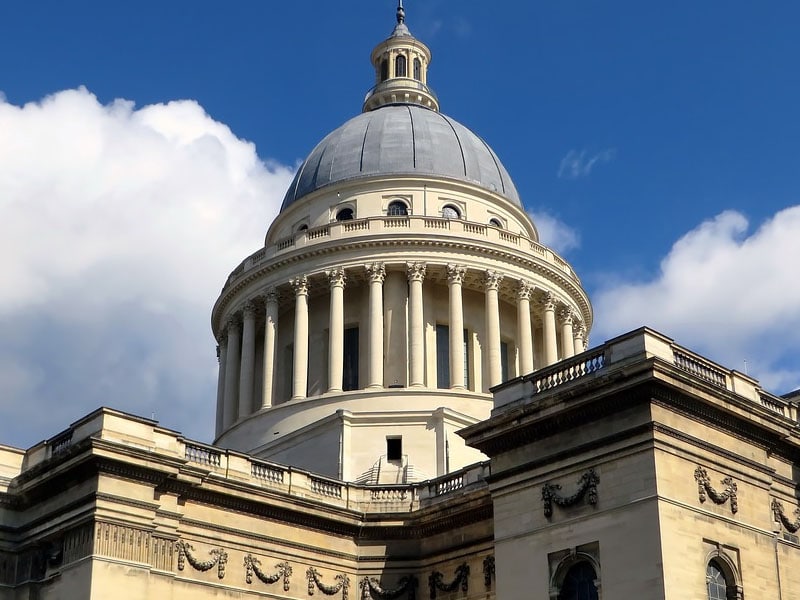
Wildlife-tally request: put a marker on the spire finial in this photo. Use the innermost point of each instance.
(401, 14)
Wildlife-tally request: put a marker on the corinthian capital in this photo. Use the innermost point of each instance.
(376, 272)
(549, 301)
(336, 277)
(566, 315)
(300, 285)
(416, 271)
(456, 273)
(249, 310)
(524, 290)
(271, 296)
(492, 280)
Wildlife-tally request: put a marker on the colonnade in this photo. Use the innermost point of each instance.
(237, 345)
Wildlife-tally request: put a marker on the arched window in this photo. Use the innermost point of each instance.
(384, 70)
(397, 208)
(716, 582)
(496, 223)
(579, 583)
(451, 212)
(302, 227)
(417, 69)
(722, 581)
(400, 66)
(345, 214)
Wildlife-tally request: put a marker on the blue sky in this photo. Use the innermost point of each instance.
(657, 145)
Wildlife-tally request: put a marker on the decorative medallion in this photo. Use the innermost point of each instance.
(705, 489)
(253, 567)
(587, 486)
(462, 578)
(185, 550)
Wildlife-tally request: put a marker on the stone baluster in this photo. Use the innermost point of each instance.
(416, 331)
(524, 331)
(336, 278)
(376, 273)
(455, 280)
(493, 280)
(300, 373)
(270, 340)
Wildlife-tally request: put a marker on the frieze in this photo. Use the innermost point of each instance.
(252, 567)
(587, 486)
(780, 516)
(461, 579)
(315, 582)
(705, 489)
(371, 588)
(219, 558)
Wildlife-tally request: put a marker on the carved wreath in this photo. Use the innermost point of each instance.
(371, 588)
(488, 570)
(253, 567)
(704, 488)
(315, 581)
(777, 510)
(587, 486)
(219, 558)
(462, 578)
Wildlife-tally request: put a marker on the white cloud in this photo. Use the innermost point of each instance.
(731, 294)
(580, 164)
(554, 233)
(118, 227)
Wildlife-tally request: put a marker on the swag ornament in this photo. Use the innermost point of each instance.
(587, 486)
(371, 588)
(705, 489)
(780, 516)
(315, 582)
(253, 567)
(185, 554)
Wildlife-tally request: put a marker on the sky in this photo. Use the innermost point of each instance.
(145, 148)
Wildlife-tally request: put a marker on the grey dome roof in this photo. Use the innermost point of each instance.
(401, 140)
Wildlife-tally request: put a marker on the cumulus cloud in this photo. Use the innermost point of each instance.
(554, 233)
(118, 228)
(580, 164)
(728, 292)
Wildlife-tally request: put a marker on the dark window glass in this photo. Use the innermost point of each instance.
(495, 222)
(384, 70)
(717, 585)
(400, 66)
(346, 214)
(579, 583)
(302, 227)
(504, 361)
(397, 209)
(417, 69)
(451, 212)
(394, 448)
(350, 372)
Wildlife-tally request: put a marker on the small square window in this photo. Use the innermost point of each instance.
(394, 448)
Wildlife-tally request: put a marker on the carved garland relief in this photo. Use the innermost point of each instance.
(587, 486)
(705, 489)
(780, 516)
(435, 582)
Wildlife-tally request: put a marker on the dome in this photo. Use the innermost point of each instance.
(403, 139)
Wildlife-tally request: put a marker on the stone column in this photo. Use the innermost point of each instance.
(493, 280)
(232, 364)
(567, 335)
(455, 279)
(336, 278)
(377, 273)
(550, 342)
(300, 373)
(579, 332)
(270, 333)
(248, 364)
(416, 325)
(222, 355)
(524, 331)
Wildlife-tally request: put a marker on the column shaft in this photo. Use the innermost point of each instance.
(248, 366)
(493, 328)
(336, 330)
(455, 279)
(550, 342)
(524, 331)
(270, 339)
(567, 335)
(300, 371)
(377, 273)
(416, 325)
(232, 364)
(222, 355)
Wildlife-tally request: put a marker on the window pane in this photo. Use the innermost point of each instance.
(579, 583)
(717, 585)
